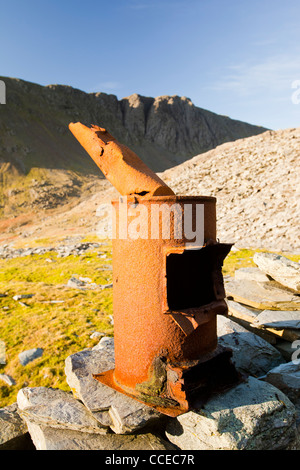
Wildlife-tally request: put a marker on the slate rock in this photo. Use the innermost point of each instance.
(111, 408)
(76, 283)
(241, 311)
(279, 319)
(261, 295)
(27, 356)
(2, 353)
(251, 274)
(46, 438)
(254, 415)
(286, 377)
(13, 430)
(107, 343)
(280, 268)
(7, 379)
(251, 354)
(57, 409)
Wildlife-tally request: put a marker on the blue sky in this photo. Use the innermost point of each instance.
(239, 58)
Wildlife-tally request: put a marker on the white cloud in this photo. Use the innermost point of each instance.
(274, 75)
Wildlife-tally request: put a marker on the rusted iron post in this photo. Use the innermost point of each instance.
(168, 290)
(120, 165)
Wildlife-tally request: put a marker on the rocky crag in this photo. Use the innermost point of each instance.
(39, 155)
(164, 131)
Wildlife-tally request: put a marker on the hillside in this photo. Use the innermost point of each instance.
(256, 182)
(42, 165)
(257, 185)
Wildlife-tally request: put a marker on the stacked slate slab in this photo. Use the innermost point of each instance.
(254, 414)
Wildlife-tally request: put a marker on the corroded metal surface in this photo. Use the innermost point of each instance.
(168, 287)
(120, 165)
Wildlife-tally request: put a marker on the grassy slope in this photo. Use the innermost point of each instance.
(59, 328)
(64, 328)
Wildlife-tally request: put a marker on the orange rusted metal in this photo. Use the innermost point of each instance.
(167, 292)
(120, 165)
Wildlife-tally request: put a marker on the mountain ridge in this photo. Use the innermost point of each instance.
(164, 131)
(43, 166)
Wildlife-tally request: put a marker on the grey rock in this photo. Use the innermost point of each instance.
(106, 343)
(261, 295)
(251, 274)
(96, 334)
(46, 438)
(23, 296)
(286, 377)
(27, 356)
(278, 319)
(251, 416)
(76, 283)
(7, 379)
(2, 353)
(57, 409)
(109, 407)
(242, 311)
(250, 353)
(106, 286)
(13, 430)
(280, 268)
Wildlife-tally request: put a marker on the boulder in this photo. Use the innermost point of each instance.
(254, 415)
(261, 295)
(280, 268)
(13, 430)
(56, 409)
(7, 379)
(30, 355)
(111, 408)
(251, 354)
(251, 274)
(47, 438)
(278, 319)
(286, 377)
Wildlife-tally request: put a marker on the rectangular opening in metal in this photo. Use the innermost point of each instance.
(190, 279)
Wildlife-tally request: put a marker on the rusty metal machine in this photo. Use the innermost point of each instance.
(167, 286)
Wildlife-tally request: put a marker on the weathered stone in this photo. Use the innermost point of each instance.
(7, 379)
(106, 343)
(46, 438)
(261, 295)
(96, 334)
(76, 283)
(250, 353)
(2, 353)
(279, 319)
(250, 274)
(252, 416)
(243, 312)
(22, 296)
(280, 268)
(286, 377)
(27, 356)
(109, 407)
(13, 430)
(285, 348)
(57, 409)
